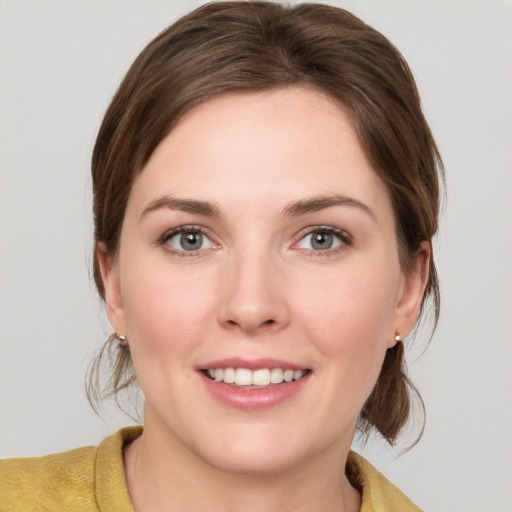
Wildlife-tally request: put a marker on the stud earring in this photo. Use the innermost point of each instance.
(398, 338)
(122, 341)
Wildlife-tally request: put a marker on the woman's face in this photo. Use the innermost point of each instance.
(258, 242)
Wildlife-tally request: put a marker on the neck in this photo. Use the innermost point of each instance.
(165, 476)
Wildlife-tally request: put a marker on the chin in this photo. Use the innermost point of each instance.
(259, 450)
(256, 462)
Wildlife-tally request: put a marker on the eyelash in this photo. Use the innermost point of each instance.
(192, 229)
(344, 238)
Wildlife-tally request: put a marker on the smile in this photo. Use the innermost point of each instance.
(254, 384)
(254, 378)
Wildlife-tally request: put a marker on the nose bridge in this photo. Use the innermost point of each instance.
(253, 299)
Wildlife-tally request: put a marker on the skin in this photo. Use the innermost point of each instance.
(257, 288)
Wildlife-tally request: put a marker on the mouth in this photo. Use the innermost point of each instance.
(254, 385)
(260, 378)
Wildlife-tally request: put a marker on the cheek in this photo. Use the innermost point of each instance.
(166, 309)
(358, 299)
(348, 319)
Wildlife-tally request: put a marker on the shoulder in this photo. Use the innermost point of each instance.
(87, 479)
(50, 482)
(379, 494)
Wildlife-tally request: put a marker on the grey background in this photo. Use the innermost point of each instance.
(60, 62)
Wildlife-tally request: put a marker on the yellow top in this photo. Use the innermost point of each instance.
(92, 479)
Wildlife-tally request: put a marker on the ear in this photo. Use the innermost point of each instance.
(109, 269)
(410, 294)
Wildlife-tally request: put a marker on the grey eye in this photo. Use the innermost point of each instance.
(323, 240)
(189, 240)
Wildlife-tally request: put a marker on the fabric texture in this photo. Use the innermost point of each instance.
(92, 479)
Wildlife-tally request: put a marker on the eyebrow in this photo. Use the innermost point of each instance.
(316, 204)
(295, 209)
(185, 205)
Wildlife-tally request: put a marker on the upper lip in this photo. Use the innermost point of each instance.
(252, 364)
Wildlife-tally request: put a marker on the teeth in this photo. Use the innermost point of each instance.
(276, 376)
(260, 377)
(229, 376)
(297, 374)
(243, 377)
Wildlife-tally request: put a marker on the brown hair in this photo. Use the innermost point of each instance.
(247, 46)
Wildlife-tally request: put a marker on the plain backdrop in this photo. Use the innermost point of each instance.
(60, 62)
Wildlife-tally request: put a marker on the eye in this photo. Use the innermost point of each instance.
(324, 239)
(187, 239)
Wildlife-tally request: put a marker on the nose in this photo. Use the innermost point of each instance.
(253, 297)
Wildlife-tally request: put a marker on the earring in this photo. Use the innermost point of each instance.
(398, 338)
(122, 341)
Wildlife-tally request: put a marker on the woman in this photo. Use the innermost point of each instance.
(265, 196)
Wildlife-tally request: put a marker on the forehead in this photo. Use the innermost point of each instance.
(261, 147)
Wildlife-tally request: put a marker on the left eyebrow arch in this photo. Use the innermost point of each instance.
(185, 205)
(316, 204)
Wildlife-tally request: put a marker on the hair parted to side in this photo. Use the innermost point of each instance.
(250, 46)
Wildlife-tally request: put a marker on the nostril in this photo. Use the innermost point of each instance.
(252, 326)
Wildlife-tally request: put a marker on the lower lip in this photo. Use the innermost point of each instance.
(254, 399)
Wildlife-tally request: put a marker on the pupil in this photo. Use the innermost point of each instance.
(322, 241)
(191, 241)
